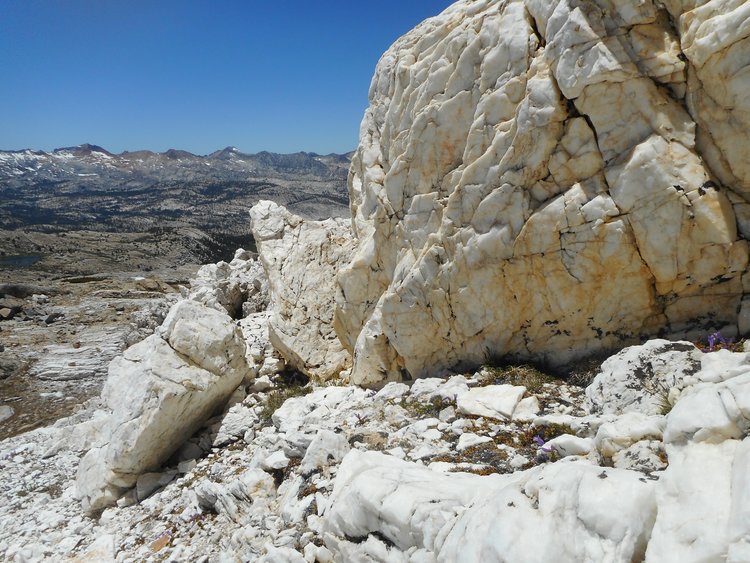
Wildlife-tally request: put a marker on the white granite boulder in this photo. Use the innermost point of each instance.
(547, 179)
(301, 259)
(563, 511)
(159, 393)
(639, 378)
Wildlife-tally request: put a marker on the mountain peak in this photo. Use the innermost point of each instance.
(84, 149)
(176, 154)
(226, 153)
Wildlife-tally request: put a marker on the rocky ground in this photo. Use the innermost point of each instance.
(60, 331)
(500, 463)
(365, 475)
(59, 328)
(267, 476)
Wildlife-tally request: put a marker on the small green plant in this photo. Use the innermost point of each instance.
(663, 396)
(659, 389)
(278, 397)
(525, 375)
(429, 409)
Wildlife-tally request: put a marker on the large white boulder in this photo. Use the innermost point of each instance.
(301, 259)
(406, 503)
(545, 179)
(159, 392)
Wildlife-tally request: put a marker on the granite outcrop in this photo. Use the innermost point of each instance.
(545, 180)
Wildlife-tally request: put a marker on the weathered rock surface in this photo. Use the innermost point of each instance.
(301, 259)
(160, 392)
(548, 179)
(238, 288)
(491, 127)
(640, 378)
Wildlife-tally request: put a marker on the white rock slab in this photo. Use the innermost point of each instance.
(527, 409)
(626, 430)
(567, 445)
(710, 412)
(494, 401)
(408, 504)
(563, 512)
(695, 499)
(326, 449)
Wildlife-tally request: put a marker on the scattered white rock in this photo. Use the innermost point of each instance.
(527, 409)
(392, 390)
(326, 448)
(276, 460)
(406, 502)
(494, 401)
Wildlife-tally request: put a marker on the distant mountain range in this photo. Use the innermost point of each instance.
(174, 194)
(91, 161)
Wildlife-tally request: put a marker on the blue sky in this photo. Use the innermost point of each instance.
(196, 75)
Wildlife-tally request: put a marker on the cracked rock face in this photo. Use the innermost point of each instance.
(547, 179)
(301, 259)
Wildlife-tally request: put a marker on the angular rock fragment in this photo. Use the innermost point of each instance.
(493, 401)
(301, 259)
(240, 287)
(159, 393)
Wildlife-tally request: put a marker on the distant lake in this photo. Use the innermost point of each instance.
(22, 261)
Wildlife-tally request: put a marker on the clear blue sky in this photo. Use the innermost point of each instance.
(192, 74)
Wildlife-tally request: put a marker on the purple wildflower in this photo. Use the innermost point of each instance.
(714, 338)
(717, 341)
(538, 440)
